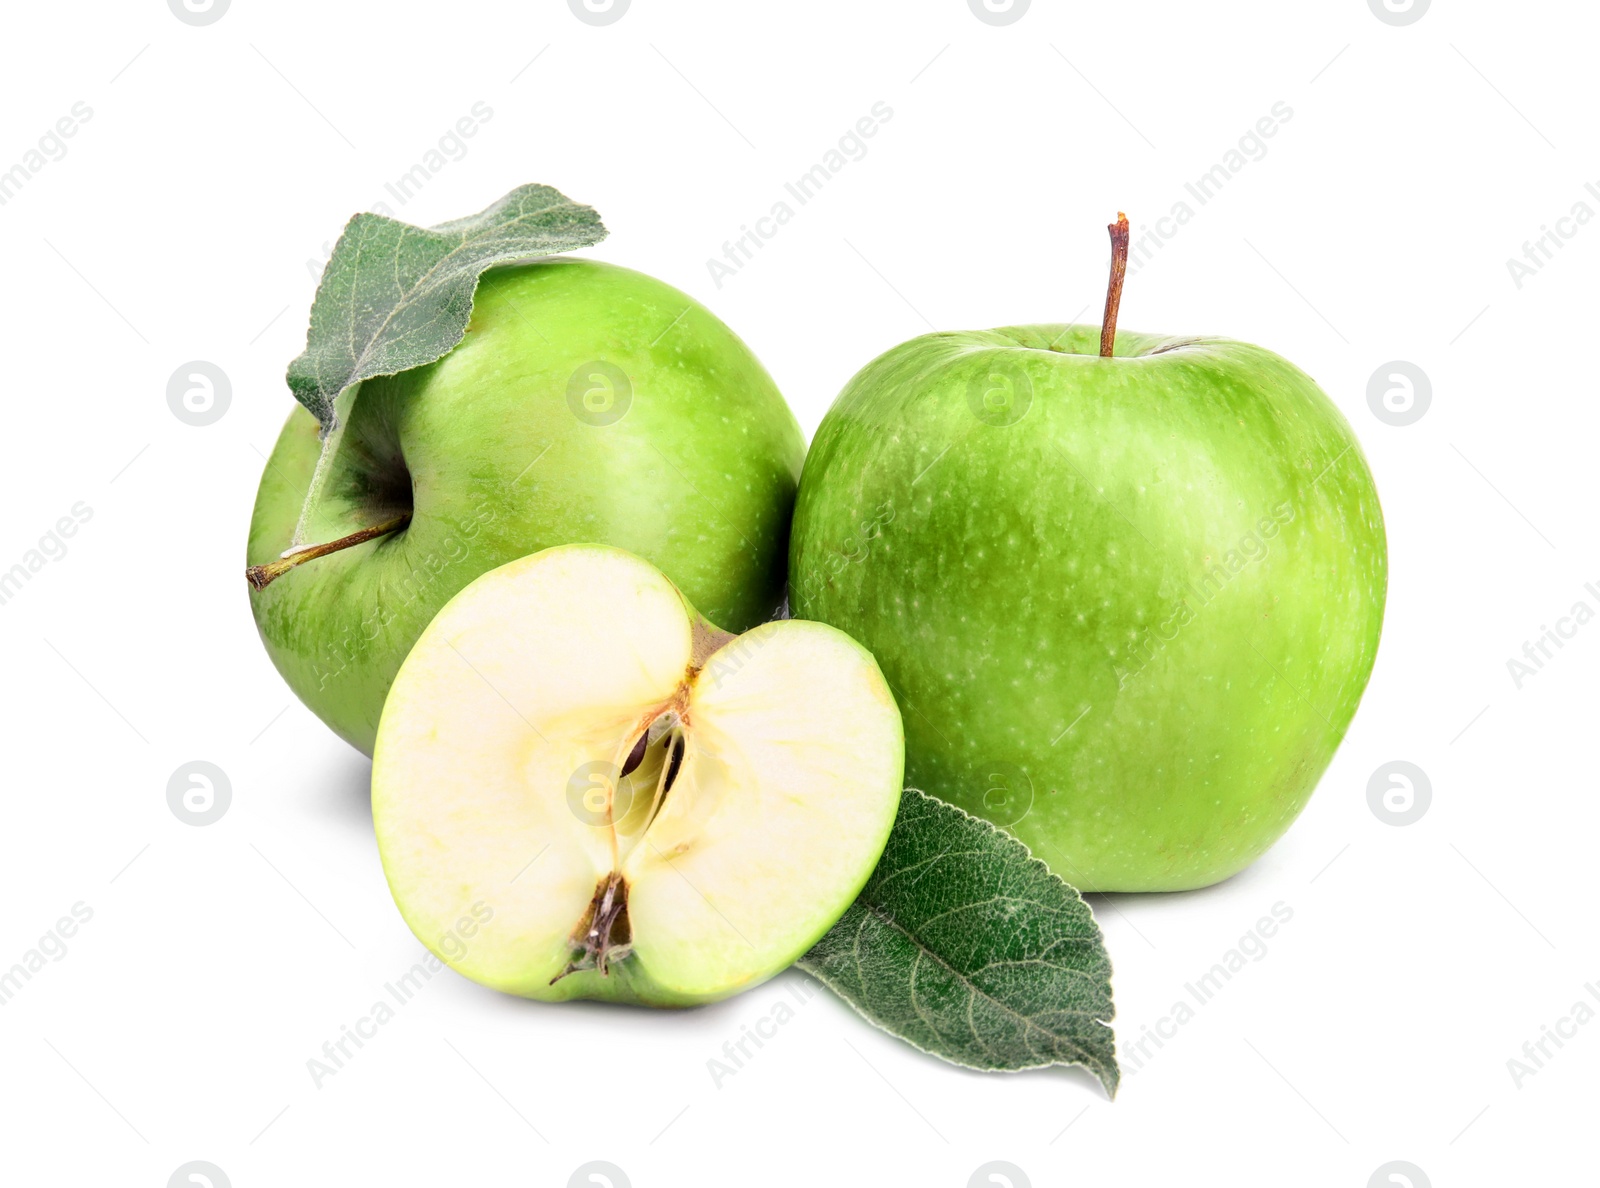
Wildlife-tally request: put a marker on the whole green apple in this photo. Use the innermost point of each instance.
(587, 403)
(1128, 604)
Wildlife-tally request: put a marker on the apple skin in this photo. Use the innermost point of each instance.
(1128, 605)
(488, 449)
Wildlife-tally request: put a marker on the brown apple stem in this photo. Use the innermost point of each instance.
(1119, 271)
(261, 576)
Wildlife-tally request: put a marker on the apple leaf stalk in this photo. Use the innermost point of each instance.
(1119, 272)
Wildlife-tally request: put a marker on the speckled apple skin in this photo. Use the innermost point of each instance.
(1128, 605)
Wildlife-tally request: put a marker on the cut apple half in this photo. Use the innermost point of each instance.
(582, 789)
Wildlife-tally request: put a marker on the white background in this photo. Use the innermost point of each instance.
(178, 226)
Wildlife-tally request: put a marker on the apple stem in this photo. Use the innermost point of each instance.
(261, 576)
(1119, 271)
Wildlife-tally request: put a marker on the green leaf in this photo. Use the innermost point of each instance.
(966, 946)
(394, 296)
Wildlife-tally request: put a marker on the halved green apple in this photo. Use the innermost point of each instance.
(583, 789)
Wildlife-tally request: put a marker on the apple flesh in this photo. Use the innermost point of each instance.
(1128, 604)
(587, 402)
(621, 800)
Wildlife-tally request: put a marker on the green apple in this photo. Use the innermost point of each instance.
(587, 402)
(1128, 603)
(584, 789)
